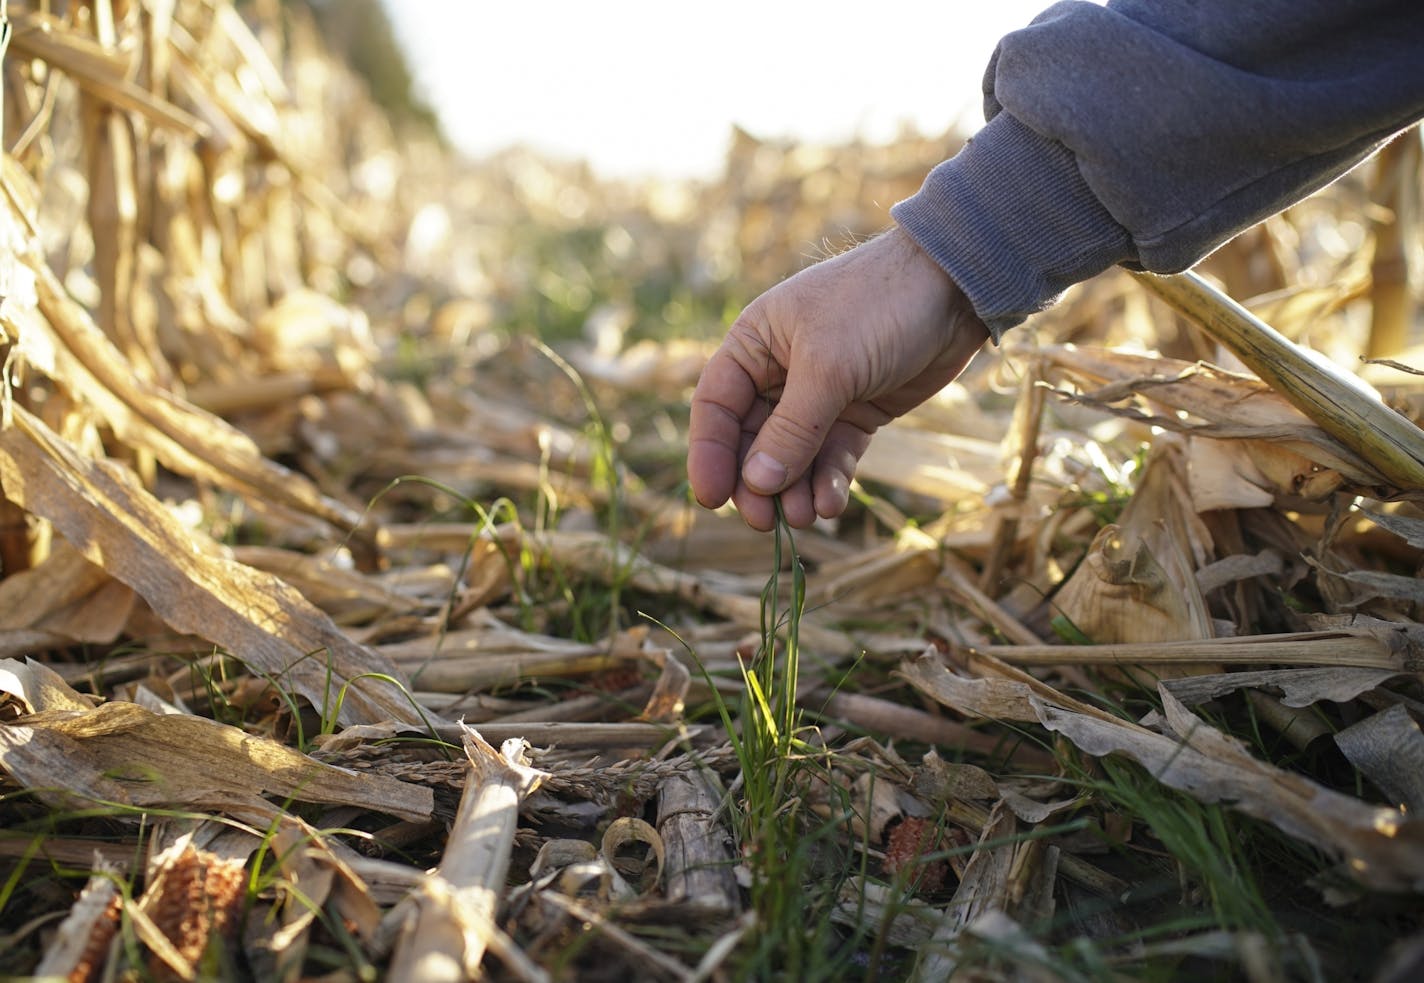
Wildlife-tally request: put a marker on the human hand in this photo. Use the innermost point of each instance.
(813, 367)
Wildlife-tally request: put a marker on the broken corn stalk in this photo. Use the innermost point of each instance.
(1333, 400)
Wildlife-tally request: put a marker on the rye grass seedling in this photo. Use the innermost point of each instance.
(795, 860)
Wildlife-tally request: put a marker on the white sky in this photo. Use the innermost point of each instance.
(639, 87)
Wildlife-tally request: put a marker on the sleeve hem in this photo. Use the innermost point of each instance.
(1013, 223)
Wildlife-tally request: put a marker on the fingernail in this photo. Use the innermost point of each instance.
(838, 496)
(763, 473)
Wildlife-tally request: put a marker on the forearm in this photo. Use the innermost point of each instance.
(1148, 133)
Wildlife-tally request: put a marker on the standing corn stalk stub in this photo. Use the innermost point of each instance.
(1396, 193)
(4, 43)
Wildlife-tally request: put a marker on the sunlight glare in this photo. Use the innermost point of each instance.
(653, 89)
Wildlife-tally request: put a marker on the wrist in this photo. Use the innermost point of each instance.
(928, 278)
(1012, 220)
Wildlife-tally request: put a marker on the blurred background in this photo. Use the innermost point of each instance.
(640, 88)
(632, 170)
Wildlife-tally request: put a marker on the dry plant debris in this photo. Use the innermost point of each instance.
(331, 463)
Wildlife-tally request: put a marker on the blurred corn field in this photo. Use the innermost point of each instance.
(355, 622)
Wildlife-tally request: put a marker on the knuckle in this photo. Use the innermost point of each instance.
(793, 432)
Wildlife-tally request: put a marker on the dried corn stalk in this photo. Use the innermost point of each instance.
(1338, 403)
(450, 920)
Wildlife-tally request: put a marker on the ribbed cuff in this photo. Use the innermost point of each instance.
(1012, 221)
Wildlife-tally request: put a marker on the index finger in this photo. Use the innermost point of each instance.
(722, 404)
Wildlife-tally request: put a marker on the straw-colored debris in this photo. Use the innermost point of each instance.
(331, 462)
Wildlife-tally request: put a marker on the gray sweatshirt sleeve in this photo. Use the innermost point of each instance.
(1148, 132)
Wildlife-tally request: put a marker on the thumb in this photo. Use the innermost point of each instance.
(792, 436)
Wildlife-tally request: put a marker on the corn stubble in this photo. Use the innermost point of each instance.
(328, 458)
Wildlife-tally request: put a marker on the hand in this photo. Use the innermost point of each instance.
(813, 367)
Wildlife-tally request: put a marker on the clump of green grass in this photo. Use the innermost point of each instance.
(796, 859)
(1206, 842)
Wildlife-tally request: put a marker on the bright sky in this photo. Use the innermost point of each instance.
(639, 87)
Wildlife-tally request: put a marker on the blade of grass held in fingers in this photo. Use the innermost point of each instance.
(1330, 398)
